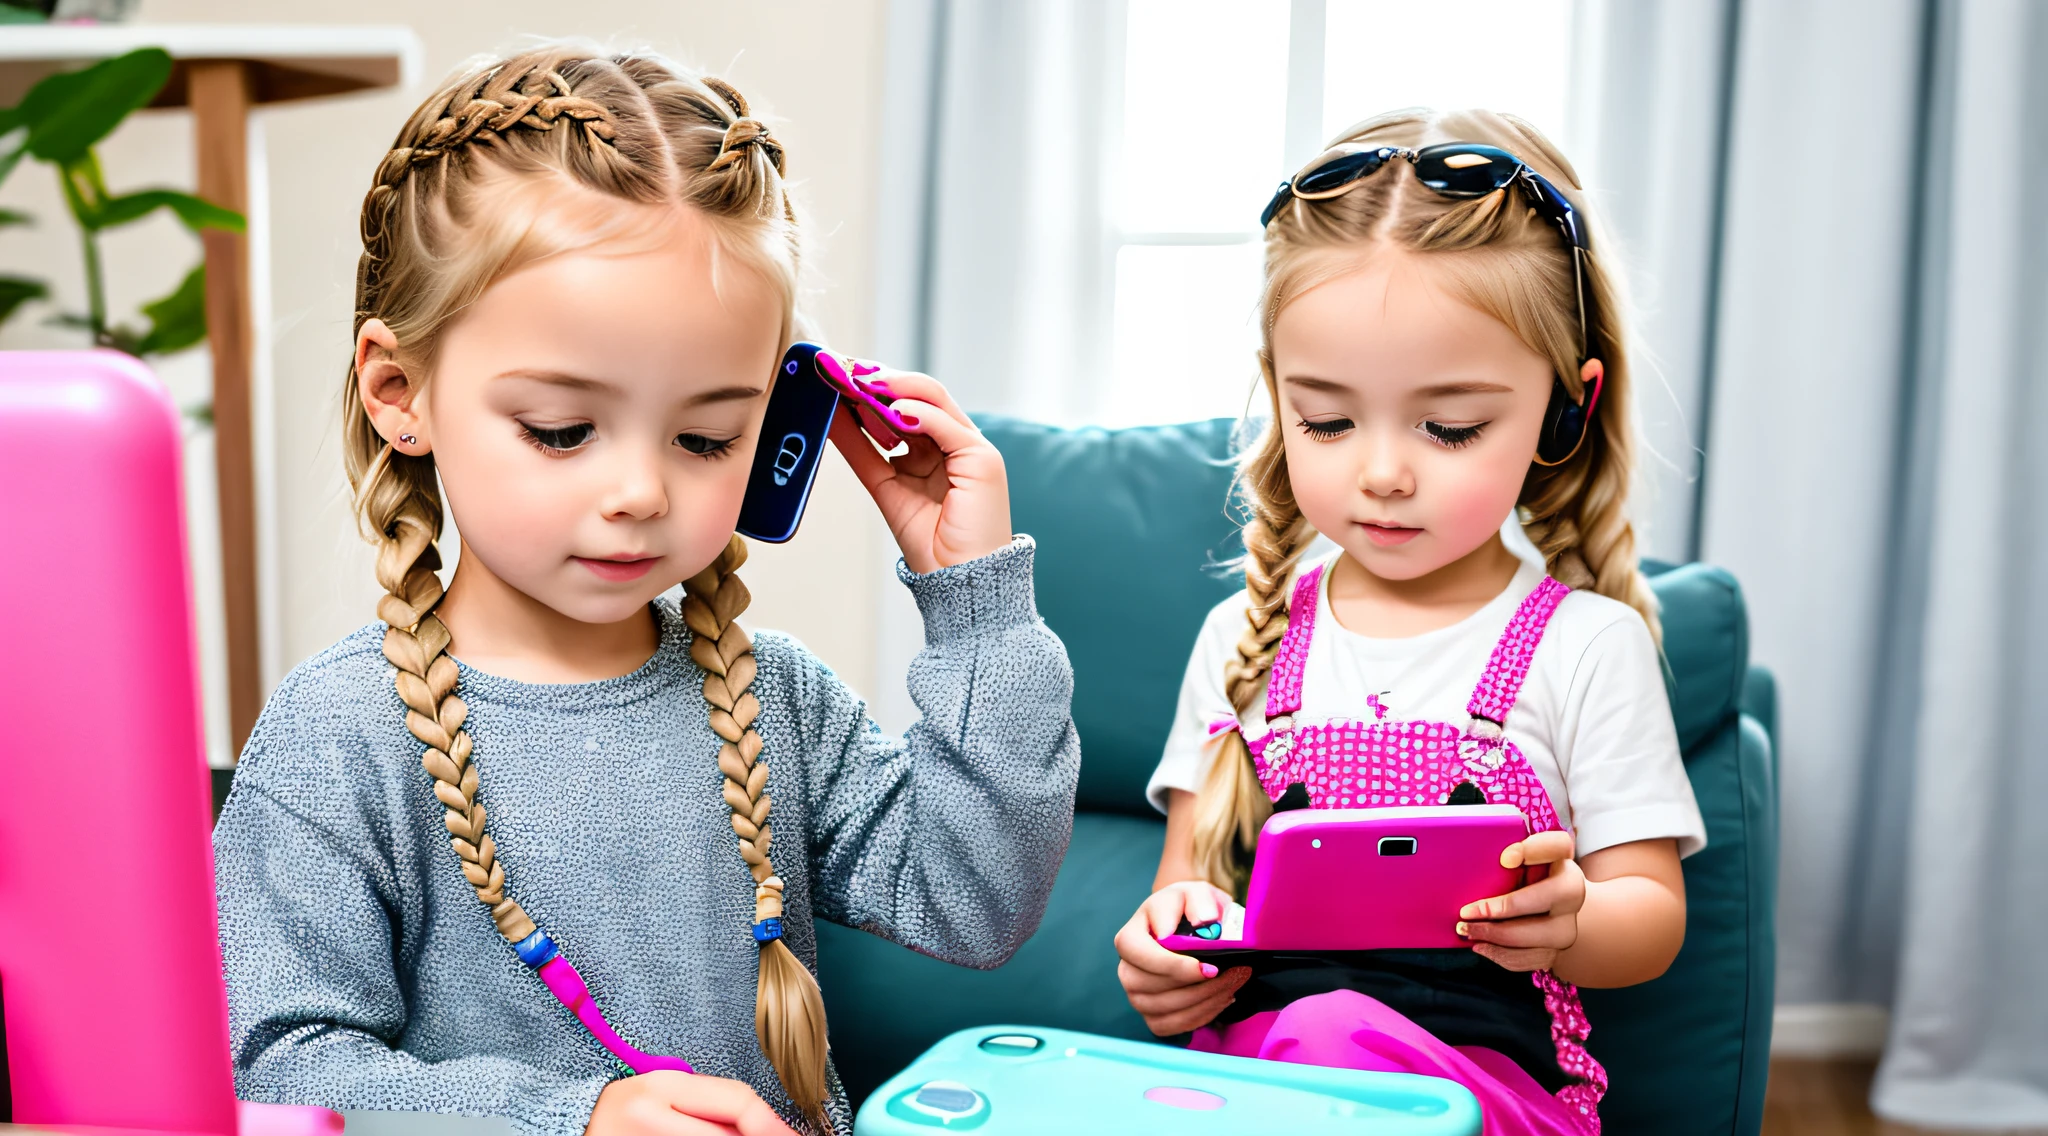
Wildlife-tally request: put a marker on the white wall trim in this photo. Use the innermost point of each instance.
(1829, 1029)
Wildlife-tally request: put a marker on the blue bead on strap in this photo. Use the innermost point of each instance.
(767, 930)
(536, 950)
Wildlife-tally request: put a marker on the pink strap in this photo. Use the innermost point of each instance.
(567, 986)
(1509, 664)
(1283, 689)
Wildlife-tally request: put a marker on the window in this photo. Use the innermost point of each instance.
(1225, 98)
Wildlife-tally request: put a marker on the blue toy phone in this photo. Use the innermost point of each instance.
(793, 434)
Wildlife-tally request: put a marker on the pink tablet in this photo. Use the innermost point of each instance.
(110, 974)
(1366, 879)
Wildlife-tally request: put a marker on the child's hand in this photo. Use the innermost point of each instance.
(1529, 927)
(1173, 992)
(947, 498)
(668, 1103)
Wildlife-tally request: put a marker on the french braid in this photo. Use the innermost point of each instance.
(638, 129)
(789, 1012)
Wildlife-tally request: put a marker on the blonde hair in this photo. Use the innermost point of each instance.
(1498, 256)
(456, 205)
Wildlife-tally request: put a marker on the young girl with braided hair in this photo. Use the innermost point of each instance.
(1446, 366)
(524, 835)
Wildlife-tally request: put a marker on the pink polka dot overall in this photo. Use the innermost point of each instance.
(1349, 763)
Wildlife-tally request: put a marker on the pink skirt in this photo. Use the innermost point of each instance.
(1348, 1030)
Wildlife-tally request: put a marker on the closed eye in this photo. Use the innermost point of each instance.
(1452, 437)
(703, 445)
(1326, 428)
(559, 439)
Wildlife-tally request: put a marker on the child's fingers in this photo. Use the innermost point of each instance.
(1204, 904)
(861, 456)
(1192, 1018)
(1552, 895)
(1182, 1010)
(910, 384)
(1138, 948)
(1551, 932)
(732, 1104)
(1163, 910)
(1149, 1000)
(1541, 848)
(877, 427)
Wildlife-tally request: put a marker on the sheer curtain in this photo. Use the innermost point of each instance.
(1849, 262)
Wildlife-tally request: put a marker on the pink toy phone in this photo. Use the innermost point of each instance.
(1364, 879)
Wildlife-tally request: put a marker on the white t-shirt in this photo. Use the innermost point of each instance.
(1592, 718)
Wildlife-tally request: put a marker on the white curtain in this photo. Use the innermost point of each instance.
(1970, 1033)
(995, 269)
(1849, 294)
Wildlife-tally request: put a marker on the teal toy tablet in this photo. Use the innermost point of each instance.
(1014, 1080)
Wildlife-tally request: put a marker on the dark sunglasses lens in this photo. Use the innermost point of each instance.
(1339, 172)
(1280, 197)
(1465, 170)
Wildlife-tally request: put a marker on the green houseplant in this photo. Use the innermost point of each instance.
(58, 122)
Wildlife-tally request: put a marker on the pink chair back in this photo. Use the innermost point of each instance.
(110, 966)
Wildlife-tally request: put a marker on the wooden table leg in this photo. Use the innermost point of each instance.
(220, 97)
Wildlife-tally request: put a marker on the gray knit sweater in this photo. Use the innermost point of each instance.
(362, 972)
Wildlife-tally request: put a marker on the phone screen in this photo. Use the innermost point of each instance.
(792, 443)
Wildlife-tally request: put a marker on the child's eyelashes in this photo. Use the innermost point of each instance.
(1452, 437)
(1448, 436)
(705, 446)
(558, 439)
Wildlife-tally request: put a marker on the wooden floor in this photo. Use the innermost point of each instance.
(1828, 1098)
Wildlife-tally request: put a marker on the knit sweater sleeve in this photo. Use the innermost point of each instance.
(947, 839)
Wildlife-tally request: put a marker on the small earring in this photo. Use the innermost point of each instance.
(408, 439)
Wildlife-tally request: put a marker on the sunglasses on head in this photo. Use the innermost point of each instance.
(1470, 169)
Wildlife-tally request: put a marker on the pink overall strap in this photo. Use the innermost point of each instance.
(1283, 688)
(1509, 665)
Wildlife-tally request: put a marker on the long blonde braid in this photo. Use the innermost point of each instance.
(645, 132)
(1231, 806)
(416, 643)
(789, 1012)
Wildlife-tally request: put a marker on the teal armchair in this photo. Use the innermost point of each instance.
(1131, 529)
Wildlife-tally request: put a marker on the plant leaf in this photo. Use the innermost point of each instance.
(196, 212)
(15, 217)
(178, 320)
(11, 159)
(67, 113)
(16, 291)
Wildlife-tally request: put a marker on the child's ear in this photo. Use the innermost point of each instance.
(390, 394)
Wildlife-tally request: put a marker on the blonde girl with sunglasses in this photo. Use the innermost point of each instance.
(546, 844)
(1447, 369)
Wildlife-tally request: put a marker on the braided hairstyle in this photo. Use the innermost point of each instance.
(463, 199)
(1498, 256)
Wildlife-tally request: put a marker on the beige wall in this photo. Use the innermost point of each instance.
(810, 67)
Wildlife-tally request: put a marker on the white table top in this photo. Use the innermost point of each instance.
(291, 61)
